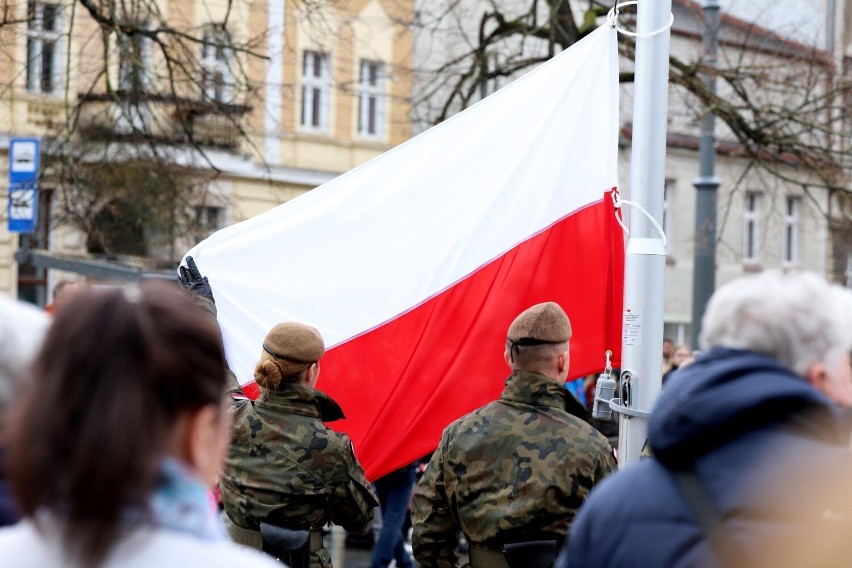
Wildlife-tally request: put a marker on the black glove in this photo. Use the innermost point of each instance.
(191, 279)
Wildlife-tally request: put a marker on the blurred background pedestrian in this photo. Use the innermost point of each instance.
(394, 492)
(680, 354)
(668, 347)
(22, 329)
(61, 292)
(113, 447)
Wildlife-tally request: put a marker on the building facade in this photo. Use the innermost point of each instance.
(235, 106)
(771, 213)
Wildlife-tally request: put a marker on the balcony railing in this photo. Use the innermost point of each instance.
(162, 118)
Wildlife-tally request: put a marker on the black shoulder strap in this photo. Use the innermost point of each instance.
(726, 549)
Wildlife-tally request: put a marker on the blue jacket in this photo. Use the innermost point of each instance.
(749, 428)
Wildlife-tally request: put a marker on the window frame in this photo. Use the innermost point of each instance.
(790, 231)
(207, 224)
(216, 58)
(371, 97)
(848, 273)
(130, 82)
(751, 220)
(668, 187)
(36, 39)
(134, 81)
(315, 91)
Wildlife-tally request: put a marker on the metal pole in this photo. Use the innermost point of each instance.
(645, 259)
(831, 17)
(707, 184)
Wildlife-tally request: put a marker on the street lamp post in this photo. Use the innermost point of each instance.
(707, 184)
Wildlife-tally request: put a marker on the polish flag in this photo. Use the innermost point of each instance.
(413, 265)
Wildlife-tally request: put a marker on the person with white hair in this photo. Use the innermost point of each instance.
(22, 329)
(751, 442)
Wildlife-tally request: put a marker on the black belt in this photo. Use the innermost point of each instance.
(529, 554)
(253, 539)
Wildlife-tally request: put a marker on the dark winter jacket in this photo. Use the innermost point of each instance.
(8, 509)
(757, 435)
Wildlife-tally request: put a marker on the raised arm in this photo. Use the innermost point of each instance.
(190, 279)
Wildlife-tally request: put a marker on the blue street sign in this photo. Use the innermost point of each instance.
(24, 163)
(23, 208)
(24, 160)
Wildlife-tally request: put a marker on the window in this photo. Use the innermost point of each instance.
(667, 196)
(209, 219)
(751, 226)
(44, 24)
(315, 90)
(370, 108)
(489, 81)
(678, 332)
(134, 59)
(849, 270)
(215, 66)
(790, 236)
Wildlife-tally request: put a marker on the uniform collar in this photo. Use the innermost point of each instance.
(302, 399)
(540, 390)
(535, 388)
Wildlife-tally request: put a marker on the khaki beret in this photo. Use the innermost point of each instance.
(295, 342)
(542, 323)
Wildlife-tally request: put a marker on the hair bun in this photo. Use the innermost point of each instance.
(268, 374)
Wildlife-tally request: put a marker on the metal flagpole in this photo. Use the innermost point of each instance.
(645, 260)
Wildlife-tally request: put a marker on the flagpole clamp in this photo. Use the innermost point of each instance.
(615, 404)
(612, 18)
(622, 403)
(617, 202)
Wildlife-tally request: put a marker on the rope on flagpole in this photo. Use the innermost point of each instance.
(618, 202)
(612, 18)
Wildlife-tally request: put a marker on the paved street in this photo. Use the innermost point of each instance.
(355, 557)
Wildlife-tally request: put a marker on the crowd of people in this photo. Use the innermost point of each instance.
(119, 414)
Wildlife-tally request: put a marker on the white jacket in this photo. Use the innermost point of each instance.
(22, 546)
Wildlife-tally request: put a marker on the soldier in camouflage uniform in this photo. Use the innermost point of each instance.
(285, 467)
(515, 471)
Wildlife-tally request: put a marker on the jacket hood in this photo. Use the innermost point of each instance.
(728, 392)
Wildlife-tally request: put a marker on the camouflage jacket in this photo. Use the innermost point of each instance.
(287, 468)
(515, 470)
